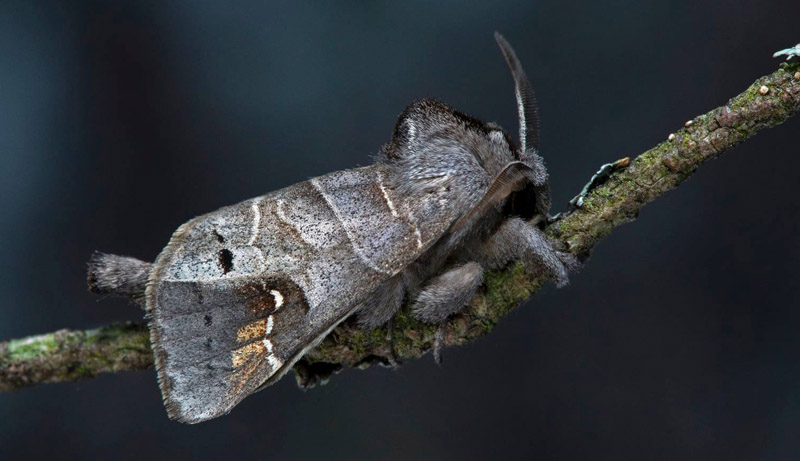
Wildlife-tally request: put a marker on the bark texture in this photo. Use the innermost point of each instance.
(67, 355)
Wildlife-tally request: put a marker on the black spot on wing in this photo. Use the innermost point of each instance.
(225, 260)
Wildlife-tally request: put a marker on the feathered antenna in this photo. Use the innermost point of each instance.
(526, 99)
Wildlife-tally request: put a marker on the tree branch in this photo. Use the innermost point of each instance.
(67, 355)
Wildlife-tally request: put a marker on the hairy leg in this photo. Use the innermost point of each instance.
(445, 295)
(382, 303)
(516, 239)
(448, 293)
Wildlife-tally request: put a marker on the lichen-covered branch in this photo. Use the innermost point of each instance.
(67, 355)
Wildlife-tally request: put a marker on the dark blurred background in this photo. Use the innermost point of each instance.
(121, 120)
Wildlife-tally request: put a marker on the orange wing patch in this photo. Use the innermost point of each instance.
(261, 328)
(267, 300)
(251, 331)
(241, 355)
(247, 360)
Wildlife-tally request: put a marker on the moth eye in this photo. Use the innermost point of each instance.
(226, 260)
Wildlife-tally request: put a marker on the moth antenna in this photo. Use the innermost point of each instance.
(527, 106)
(118, 275)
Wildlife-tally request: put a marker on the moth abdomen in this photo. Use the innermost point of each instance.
(118, 275)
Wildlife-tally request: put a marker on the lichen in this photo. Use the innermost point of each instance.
(31, 347)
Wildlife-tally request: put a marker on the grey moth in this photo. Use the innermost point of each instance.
(239, 295)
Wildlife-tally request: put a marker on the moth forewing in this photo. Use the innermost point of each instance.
(238, 295)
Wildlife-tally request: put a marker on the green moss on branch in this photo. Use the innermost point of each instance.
(67, 355)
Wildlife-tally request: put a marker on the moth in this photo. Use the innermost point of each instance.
(239, 295)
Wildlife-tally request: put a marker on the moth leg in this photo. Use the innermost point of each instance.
(438, 343)
(445, 295)
(517, 239)
(382, 303)
(394, 361)
(448, 293)
(118, 275)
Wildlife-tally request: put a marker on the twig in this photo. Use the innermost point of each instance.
(67, 355)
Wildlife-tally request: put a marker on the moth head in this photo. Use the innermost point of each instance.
(432, 140)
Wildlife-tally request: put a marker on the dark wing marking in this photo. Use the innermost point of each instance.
(526, 98)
